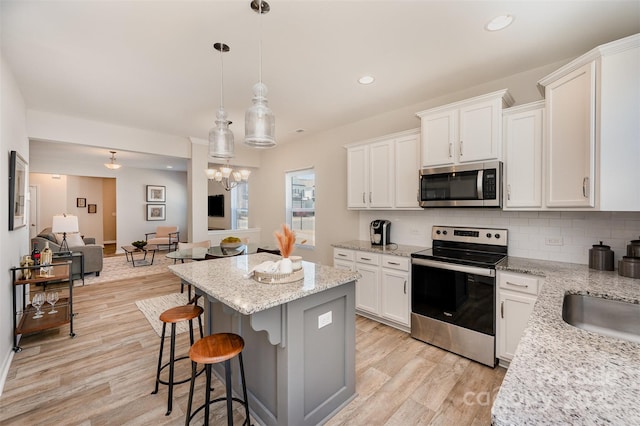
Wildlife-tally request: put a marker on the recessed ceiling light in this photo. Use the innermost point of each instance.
(366, 79)
(499, 23)
(299, 130)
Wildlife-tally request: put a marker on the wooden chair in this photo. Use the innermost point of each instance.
(165, 236)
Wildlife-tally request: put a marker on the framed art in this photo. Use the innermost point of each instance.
(81, 202)
(156, 212)
(93, 208)
(17, 191)
(156, 194)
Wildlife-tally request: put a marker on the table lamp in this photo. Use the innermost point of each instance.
(64, 223)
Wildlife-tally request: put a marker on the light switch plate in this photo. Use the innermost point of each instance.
(325, 319)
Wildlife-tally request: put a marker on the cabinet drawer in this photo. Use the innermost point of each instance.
(343, 254)
(395, 262)
(520, 283)
(368, 258)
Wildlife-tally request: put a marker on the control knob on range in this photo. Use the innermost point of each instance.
(488, 234)
(497, 235)
(444, 232)
(438, 232)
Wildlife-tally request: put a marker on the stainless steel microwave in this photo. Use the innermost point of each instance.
(465, 185)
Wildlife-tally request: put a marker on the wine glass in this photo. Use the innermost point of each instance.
(52, 298)
(38, 301)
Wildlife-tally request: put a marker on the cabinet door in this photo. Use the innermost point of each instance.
(439, 134)
(357, 176)
(407, 165)
(367, 289)
(395, 296)
(513, 314)
(344, 264)
(570, 141)
(381, 174)
(480, 131)
(523, 159)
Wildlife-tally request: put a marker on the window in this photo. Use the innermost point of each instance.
(301, 205)
(240, 206)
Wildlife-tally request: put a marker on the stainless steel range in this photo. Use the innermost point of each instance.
(453, 291)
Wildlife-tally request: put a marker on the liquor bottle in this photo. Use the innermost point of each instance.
(46, 258)
(35, 254)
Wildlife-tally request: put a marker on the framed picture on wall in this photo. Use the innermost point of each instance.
(93, 208)
(17, 191)
(156, 194)
(81, 202)
(156, 212)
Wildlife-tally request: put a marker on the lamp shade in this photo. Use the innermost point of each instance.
(65, 223)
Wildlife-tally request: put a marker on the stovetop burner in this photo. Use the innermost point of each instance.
(466, 246)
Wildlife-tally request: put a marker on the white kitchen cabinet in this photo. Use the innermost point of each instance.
(591, 147)
(382, 173)
(395, 289)
(570, 139)
(523, 138)
(465, 131)
(384, 291)
(517, 294)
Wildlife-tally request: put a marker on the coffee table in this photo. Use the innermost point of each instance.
(129, 252)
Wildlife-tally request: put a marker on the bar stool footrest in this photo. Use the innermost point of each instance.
(247, 421)
(164, 382)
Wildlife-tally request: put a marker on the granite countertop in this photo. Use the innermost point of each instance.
(392, 249)
(565, 375)
(223, 279)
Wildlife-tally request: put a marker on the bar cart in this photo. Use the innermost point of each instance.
(57, 278)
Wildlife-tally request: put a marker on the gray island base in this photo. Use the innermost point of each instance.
(299, 353)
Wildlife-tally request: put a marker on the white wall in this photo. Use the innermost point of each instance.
(528, 231)
(13, 136)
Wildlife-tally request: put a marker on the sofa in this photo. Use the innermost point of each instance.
(87, 245)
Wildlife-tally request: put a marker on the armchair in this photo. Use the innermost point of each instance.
(165, 236)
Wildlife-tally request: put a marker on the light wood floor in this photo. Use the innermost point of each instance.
(104, 376)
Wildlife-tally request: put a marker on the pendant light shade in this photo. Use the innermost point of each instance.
(259, 121)
(113, 165)
(221, 144)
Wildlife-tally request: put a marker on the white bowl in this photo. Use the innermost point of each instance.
(230, 245)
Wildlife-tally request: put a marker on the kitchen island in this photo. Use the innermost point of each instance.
(565, 375)
(299, 353)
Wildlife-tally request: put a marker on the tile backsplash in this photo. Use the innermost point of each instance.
(529, 232)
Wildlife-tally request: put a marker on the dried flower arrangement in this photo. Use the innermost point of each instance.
(286, 241)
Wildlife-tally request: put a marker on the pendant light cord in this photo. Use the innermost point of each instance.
(221, 78)
(260, 44)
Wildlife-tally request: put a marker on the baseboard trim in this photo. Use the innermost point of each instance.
(4, 371)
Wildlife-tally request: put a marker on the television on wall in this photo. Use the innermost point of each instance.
(216, 205)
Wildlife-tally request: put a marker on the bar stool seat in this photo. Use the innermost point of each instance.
(214, 349)
(173, 316)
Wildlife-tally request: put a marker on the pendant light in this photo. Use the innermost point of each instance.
(112, 165)
(259, 121)
(221, 143)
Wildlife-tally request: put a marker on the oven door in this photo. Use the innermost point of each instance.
(456, 294)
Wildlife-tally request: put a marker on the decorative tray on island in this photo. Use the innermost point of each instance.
(278, 278)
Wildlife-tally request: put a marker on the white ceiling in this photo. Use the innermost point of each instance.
(151, 64)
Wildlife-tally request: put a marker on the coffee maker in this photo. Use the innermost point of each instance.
(379, 231)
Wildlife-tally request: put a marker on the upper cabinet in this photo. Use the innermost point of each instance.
(591, 147)
(464, 131)
(383, 172)
(523, 137)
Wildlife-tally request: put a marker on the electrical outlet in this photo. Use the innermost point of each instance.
(554, 241)
(325, 319)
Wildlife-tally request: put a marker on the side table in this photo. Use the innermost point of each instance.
(69, 256)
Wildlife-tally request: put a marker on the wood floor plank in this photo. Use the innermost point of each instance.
(105, 375)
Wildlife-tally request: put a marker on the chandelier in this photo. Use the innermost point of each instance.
(227, 177)
(112, 165)
(259, 121)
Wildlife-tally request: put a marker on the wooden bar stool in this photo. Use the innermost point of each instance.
(173, 316)
(214, 349)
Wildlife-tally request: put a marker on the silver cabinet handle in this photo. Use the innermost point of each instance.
(363, 200)
(518, 285)
(342, 255)
(585, 187)
(461, 148)
(405, 286)
(394, 263)
(366, 258)
(501, 309)
(509, 192)
(450, 149)
(369, 196)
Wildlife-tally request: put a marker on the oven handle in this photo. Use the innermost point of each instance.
(485, 272)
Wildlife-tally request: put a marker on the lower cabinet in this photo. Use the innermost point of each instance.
(383, 292)
(517, 294)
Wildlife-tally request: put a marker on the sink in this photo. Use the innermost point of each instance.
(613, 318)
